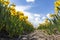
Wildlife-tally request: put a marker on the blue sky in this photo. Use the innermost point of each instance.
(36, 10)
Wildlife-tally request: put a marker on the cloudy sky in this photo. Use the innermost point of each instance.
(36, 10)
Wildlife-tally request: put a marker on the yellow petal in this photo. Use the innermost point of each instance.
(6, 2)
(25, 17)
(21, 13)
(57, 3)
(21, 17)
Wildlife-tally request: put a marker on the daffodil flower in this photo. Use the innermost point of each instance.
(21, 17)
(25, 17)
(21, 13)
(6, 2)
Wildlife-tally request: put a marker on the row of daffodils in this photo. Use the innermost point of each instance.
(12, 21)
(51, 25)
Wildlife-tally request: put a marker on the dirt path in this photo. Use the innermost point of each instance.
(39, 35)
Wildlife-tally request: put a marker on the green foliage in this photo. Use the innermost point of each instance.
(12, 23)
(53, 27)
(28, 27)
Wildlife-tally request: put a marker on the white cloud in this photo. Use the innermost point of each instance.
(37, 15)
(30, 0)
(34, 18)
(43, 17)
(22, 8)
(48, 15)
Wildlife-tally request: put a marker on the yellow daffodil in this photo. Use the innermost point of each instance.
(13, 5)
(25, 17)
(17, 13)
(57, 3)
(21, 17)
(51, 15)
(12, 8)
(6, 2)
(21, 13)
(46, 20)
(56, 8)
(1, 0)
(13, 12)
